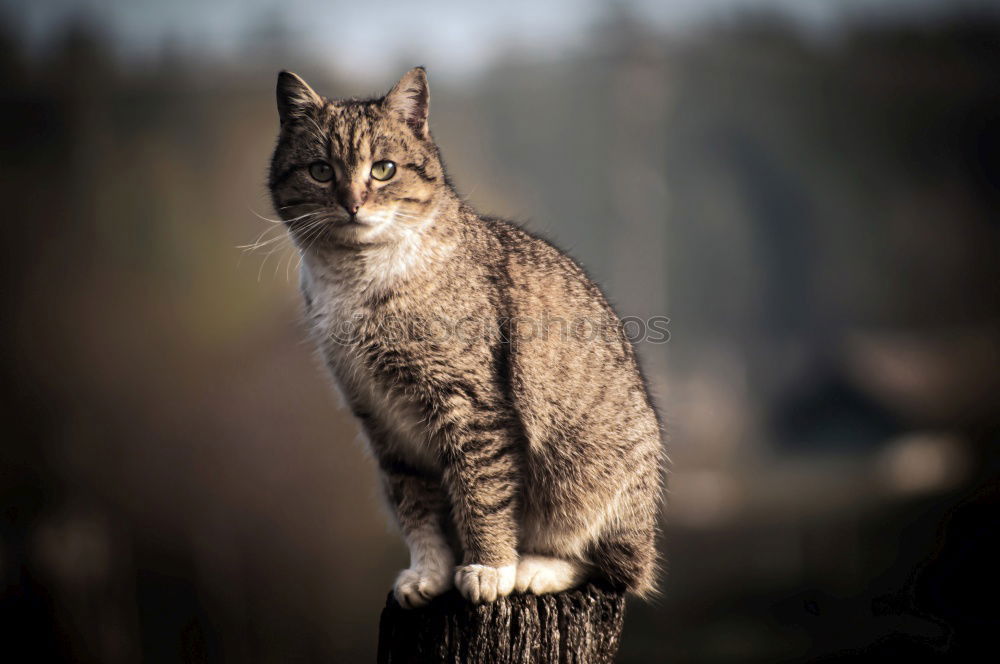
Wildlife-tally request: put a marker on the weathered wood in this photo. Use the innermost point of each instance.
(580, 626)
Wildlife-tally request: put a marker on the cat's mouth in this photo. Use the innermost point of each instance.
(327, 228)
(324, 219)
(342, 225)
(350, 221)
(337, 218)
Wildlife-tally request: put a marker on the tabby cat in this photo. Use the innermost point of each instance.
(516, 440)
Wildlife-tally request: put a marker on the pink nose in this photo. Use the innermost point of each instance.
(352, 200)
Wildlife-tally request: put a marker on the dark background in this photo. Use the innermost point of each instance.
(811, 197)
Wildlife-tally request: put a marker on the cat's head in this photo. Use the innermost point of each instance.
(355, 172)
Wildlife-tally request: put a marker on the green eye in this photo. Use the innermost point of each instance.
(383, 170)
(321, 171)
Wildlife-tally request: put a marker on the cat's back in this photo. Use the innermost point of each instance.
(542, 277)
(571, 358)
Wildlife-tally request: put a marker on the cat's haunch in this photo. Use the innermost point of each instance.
(497, 389)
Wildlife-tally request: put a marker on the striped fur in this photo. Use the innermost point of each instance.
(498, 393)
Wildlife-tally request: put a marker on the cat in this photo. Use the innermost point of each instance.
(517, 442)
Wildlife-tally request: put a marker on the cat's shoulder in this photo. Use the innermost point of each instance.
(535, 263)
(516, 241)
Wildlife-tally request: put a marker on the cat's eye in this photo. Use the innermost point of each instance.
(383, 170)
(321, 171)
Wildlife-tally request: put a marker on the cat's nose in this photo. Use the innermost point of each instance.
(352, 199)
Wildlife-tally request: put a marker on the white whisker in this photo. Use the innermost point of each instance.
(259, 242)
(282, 241)
(262, 217)
(256, 244)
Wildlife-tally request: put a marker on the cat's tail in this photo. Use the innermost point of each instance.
(627, 562)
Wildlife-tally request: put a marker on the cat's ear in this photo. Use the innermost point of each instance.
(294, 96)
(410, 100)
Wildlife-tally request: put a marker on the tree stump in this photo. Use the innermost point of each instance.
(580, 626)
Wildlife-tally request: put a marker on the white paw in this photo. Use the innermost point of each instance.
(482, 583)
(416, 587)
(543, 574)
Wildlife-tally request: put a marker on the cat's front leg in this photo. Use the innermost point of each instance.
(481, 476)
(419, 505)
(430, 571)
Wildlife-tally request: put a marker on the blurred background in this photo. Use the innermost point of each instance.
(809, 190)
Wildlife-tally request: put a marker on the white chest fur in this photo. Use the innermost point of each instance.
(338, 308)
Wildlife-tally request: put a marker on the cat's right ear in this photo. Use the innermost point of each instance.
(294, 96)
(410, 100)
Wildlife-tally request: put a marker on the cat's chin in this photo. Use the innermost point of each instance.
(346, 234)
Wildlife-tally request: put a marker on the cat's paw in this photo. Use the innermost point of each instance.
(543, 574)
(482, 583)
(416, 587)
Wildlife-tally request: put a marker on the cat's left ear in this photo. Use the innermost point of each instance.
(294, 96)
(410, 100)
